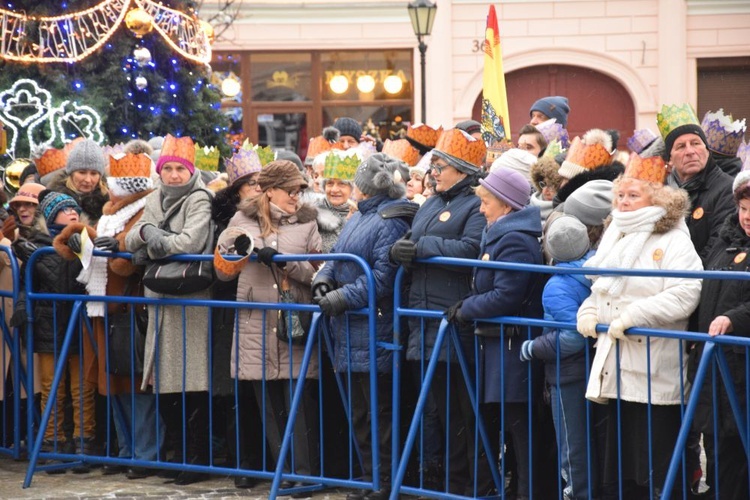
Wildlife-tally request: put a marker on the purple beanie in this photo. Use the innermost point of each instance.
(509, 186)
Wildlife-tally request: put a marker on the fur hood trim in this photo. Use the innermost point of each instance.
(546, 169)
(61, 240)
(676, 203)
(328, 220)
(113, 206)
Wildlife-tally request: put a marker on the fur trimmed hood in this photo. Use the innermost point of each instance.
(546, 169)
(223, 207)
(115, 204)
(676, 203)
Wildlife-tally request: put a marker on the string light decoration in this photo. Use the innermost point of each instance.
(74, 37)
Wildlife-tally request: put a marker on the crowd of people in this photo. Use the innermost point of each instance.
(678, 200)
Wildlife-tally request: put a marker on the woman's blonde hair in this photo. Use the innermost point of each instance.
(263, 204)
(661, 195)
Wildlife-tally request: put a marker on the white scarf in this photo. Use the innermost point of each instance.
(622, 244)
(95, 277)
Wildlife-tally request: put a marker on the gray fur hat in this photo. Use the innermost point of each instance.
(86, 155)
(375, 176)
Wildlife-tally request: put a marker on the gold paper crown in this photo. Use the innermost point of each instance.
(130, 165)
(341, 165)
(674, 116)
(174, 147)
(52, 159)
(650, 169)
(588, 156)
(265, 153)
(207, 158)
(402, 150)
(460, 145)
(319, 145)
(554, 148)
(424, 134)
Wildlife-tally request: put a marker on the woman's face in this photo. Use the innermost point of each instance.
(548, 191)
(414, 186)
(285, 199)
(445, 176)
(67, 215)
(85, 181)
(744, 213)
(317, 176)
(338, 192)
(250, 188)
(174, 173)
(632, 195)
(492, 208)
(25, 212)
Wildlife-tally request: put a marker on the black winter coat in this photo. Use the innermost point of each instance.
(728, 164)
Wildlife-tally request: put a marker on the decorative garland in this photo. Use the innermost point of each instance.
(74, 37)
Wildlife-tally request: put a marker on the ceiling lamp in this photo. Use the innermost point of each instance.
(339, 84)
(366, 84)
(393, 84)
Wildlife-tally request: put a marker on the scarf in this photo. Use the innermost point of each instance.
(95, 276)
(172, 194)
(622, 244)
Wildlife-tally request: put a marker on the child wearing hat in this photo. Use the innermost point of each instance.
(567, 242)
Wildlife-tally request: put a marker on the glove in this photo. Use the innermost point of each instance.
(150, 232)
(618, 326)
(587, 325)
(74, 242)
(266, 254)
(404, 251)
(157, 248)
(320, 289)
(333, 303)
(19, 318)
(107, 244)
(453, 313)
(9, 228)
(527, 353)
(140, 257)
(242, 244)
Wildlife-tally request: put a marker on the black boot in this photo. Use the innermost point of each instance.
(197, 439)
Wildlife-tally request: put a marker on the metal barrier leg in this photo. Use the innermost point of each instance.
(61, 364)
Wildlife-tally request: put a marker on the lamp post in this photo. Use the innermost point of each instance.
(422, 15)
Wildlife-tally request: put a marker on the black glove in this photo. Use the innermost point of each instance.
(453, 313)
(242, 244)
(107, 244)
(320, 287)
(266, 254)
(140, 257)
(404, 251)
(333, 303)
(74, 242)
(19, 318)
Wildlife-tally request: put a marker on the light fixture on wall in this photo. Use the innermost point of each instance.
(339, 84)
(393, 84)
(365, 84)
(230, 86)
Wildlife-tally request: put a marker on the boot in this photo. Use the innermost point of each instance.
(197, 439)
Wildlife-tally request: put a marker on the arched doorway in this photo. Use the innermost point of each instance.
(596, 100)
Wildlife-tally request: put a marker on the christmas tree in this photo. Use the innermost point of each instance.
(131, 73)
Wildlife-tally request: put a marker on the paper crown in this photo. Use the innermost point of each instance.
(640, 140)
(341, 164)
(265, 153)
(590, 155)
(129, 165)
(52, 159)
(114, 149)
(553, 149)
(225, 246)
(674, 116)
(174, 147)
(553, 131)
(723, 134)
(650, 169)
(401, 149)
(462, 146)
(207, 158)
(243, 163)
(496, 150)
(319, 145)
(423, 137)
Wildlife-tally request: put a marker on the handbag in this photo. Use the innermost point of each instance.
(291, 326)
(180, 278)
(125, 336)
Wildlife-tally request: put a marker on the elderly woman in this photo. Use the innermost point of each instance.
(278, 223)
(724, 310)
(648, 231)
(334, 210)
(511, 235)
(84, 179)
(182, 205)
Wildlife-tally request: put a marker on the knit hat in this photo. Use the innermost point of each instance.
(723, 134)
(590, 203)
(29, 193)
(675, 121)
(281, 174)
(129, 174)
(243, 163)
(589, 153)
(180, 150)
(469, 126)
(51, 202)
(566, 239)
(290, 156)
(375, 177)
(516, 159)
(509, 186)
(462, 151)
(555, 106)
(349, 127)
(86, 155)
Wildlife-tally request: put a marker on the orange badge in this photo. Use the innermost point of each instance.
(740, 257)
(698, 213)
(486, 256)
(445, 216)
(658, 254)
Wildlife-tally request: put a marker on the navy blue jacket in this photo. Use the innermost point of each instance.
(447, 225)
(513, 238)
(369, 235)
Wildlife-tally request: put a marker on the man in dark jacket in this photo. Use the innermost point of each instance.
(449, 224)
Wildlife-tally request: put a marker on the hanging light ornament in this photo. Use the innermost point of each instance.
(142, 56)
(139, 22)
(140, 82)
(209, 31)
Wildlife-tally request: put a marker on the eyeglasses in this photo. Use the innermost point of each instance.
(68, 210)
(294, 193)
(251, 182)
(438, 168)
(542, 184)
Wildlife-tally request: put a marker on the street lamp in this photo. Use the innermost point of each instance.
(422, 14)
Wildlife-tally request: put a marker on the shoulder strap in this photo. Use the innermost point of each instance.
(164, 224)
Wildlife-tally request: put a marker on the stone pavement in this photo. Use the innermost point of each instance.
(94, 485)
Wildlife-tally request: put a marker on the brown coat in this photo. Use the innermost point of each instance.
(119, 272)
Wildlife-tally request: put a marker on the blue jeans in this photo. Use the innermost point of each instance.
(143, 430)
(569, 415)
